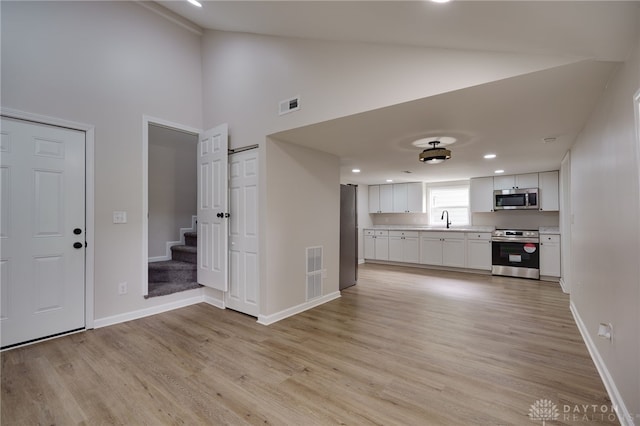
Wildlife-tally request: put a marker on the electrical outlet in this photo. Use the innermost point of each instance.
(119, 217)
(122, 288)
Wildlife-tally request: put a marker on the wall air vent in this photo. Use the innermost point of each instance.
(289, 105)
(315, 272)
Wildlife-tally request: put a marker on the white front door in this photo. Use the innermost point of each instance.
(42, 241)
(243, 233)
(213, 210)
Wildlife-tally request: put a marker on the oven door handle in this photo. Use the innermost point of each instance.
(515, 240)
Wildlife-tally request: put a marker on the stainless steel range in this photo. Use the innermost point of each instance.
(515, 253)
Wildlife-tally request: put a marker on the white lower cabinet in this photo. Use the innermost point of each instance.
(404, 246)
(479, 250)
(470, 250)
(376, 244)
(442, 248)
(550, 255)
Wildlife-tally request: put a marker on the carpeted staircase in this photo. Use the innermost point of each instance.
(177, 274)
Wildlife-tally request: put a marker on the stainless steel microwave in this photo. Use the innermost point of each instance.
(516, 199)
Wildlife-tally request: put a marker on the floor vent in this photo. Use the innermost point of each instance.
(314, 272)
(289, 105)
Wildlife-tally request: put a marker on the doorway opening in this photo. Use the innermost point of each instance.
(170, 240)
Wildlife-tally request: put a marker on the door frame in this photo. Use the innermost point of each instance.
(146, 121)
(89, 201)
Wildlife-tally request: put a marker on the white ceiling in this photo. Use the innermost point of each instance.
(508, 117)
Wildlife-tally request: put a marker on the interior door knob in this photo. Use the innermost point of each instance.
(220, 215)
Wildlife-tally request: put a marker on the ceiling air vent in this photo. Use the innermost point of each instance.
(289, 105)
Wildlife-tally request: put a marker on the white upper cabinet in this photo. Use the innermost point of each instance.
(400, 198)
(549, 200)
(529, 180)
(386, 198)
(374, 198)
(380, 198)
(397, 198)
(408, 197)
(481, 194)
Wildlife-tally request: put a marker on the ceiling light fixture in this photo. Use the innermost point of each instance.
(356, 170)
(489, 156)
(195, 3)
(434, 155)
(440, 1)
(499, 171)
(389, 180)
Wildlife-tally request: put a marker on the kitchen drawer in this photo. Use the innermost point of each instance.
(482, 236)
(380, 233)
(403, 233)
(549, 238)
(451, 235)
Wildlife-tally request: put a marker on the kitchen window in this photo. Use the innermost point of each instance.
(454, 199)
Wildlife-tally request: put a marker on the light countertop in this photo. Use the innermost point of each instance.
(469, 228)
(549, 230)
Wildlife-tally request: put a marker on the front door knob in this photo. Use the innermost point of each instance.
(77, 245)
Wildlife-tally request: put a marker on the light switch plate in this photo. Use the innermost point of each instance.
(119, 217)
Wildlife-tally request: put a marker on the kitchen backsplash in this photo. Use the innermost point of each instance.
(520, 219)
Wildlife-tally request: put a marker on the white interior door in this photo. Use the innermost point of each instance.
(42, 241)
(213, 211)
(243, 233)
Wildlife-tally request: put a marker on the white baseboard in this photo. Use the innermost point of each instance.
(273, 318)
(141, 313)
(360, 261)
(563, 286)
(214, 302)
(625, 418)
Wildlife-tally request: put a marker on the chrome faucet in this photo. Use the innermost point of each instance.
(442, 217)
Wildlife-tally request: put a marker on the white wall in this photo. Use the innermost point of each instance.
(105, 64)
(247, 75)
(605, 235)
(303, 210)
(173, 186)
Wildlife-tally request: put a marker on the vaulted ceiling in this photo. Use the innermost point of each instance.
(509, 117)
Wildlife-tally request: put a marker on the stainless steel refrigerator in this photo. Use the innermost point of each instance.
(348, 236)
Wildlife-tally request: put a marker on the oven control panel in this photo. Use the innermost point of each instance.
(515, 233)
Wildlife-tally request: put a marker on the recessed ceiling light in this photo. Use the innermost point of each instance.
(440, 1)
(389, 180)
(489, 156)
(499, 171)
(195, 3)
(356, 170)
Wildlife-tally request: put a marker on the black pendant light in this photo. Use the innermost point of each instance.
(434, 155)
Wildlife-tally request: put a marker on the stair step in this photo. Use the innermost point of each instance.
(184, 253)
(172, 271)
(191, 239)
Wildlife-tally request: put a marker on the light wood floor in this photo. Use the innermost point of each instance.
(404, 347)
